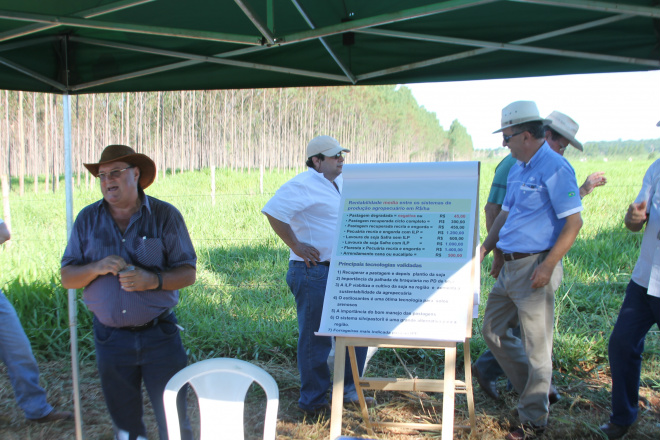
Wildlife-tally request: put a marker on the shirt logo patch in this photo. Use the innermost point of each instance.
(571, 194)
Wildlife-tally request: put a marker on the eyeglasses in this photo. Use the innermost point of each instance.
(337, 156)
(114, 174)
(508, 138)
(562, 147)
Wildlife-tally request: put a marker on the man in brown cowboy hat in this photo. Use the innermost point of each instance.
(132, 253)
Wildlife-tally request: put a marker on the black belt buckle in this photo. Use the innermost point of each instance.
(152, 323)
(323, 263)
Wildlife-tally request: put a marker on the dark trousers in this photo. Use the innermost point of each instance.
(127, 358)
(308, 287)
(639, 312)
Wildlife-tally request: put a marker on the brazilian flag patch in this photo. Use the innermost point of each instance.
(571, 194)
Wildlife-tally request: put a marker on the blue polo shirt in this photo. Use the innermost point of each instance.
(540, 195)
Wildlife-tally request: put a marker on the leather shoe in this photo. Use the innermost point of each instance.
(489, 388)
(526, 431)
(54, 416)
(319, 411)
(553, 395)
(613, 431)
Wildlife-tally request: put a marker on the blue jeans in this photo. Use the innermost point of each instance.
(22, 368)
(308, 288)
(127, 358)
(638, 313)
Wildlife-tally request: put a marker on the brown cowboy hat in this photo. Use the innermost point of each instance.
(122, 153)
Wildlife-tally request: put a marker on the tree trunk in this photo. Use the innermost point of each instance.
(21, 149)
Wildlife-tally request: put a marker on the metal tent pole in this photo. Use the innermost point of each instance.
(73, 315)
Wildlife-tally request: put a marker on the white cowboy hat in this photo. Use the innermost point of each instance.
(520, 112)
(565, 126)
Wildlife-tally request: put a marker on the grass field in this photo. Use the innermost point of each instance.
(241, 306)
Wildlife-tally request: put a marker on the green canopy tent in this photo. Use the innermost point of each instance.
(93, 46)
(82, 46)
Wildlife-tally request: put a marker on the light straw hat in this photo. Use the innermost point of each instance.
(520, 112)
(565, 126)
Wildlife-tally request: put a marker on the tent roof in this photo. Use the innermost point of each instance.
(82, 46)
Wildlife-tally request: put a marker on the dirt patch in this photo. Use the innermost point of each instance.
(583, 407)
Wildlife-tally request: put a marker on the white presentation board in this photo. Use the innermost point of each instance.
(404, 264)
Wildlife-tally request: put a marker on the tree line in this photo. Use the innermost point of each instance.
(619, 149)
(237, 129)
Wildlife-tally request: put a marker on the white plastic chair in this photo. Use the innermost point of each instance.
(221, 385)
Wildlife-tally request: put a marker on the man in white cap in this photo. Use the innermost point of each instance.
(539, 222)
(640, 308)
(304, 213)
(560, 131)
(132, 253)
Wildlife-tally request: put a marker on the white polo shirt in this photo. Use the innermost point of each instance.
(647, 269)
(309, 203)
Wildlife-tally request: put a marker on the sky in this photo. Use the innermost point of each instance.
(607, 107)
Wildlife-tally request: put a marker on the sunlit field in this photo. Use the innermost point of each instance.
(241, 306)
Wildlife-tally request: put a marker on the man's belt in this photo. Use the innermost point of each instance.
(518, 255)
(152, 323)
(323, 263)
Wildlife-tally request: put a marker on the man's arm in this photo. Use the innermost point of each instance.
(594, 180)
(4, 232)
(494, 234)
(569, 232)
(492, 210)
(305, 251)
(636, 216)
(79, 276)
(138, 279)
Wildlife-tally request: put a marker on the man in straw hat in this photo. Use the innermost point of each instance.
(640, 308)
(304, 213)
(132, 253)
(560, 131)
(539, 222)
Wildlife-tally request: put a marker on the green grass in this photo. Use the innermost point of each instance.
(241, 306)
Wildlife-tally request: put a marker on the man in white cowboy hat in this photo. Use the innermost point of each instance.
(539, 222)
(304, 213)
(132, 253)
(559, 133)
(640, 308)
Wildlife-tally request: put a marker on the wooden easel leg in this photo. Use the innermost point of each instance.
(449, 393)
(468, 386)
(358, 389)
(338, 388)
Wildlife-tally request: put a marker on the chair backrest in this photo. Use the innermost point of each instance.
(221, 385)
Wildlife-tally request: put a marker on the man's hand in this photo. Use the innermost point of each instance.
(636, 216)
(498, 263)
(111, 264)
(136, 279)
(307, 252)
(594, 180)
(541, 275)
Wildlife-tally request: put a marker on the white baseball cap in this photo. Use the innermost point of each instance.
(326, 145)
